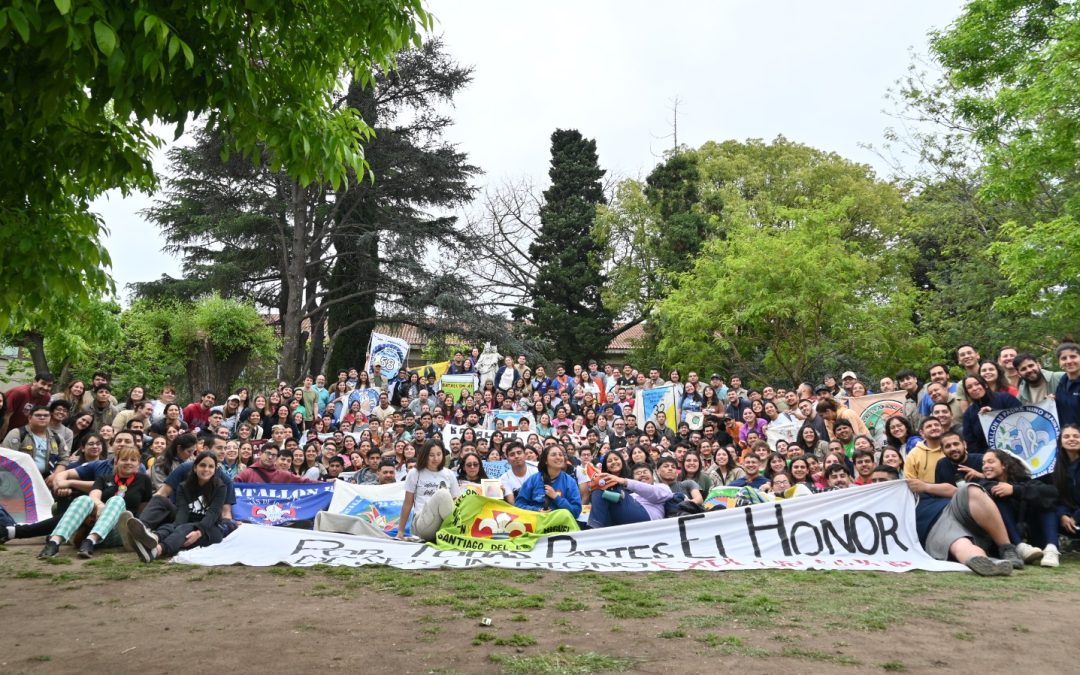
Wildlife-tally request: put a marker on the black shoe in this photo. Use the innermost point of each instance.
(86, 548)
(143, 539)
(51, 549)
(3, 534)
(1009, 553)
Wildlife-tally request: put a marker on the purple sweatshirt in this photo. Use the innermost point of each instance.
(651, 497)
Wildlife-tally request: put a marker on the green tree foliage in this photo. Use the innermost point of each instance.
(83, 78)
(205, 344)
(1013, 63)
(568, 310)
(807, 274)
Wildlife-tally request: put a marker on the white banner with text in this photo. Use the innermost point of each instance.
(861, 528)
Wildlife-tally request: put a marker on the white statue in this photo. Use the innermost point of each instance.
(486, 365)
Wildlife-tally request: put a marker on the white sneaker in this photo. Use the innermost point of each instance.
(1029, 553)
(1051, 557)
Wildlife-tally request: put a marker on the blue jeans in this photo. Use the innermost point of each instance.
(605, 513)
(1042, 524)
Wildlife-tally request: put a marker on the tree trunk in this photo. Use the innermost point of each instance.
(295, 275)
(205, 370)
(34, 343)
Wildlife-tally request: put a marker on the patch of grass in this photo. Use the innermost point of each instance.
(519, 617)
(68, 606)
(894, 666)
(562, 663)
(57, 560)
(626, 602)
(482, 637)
(714, 640)
(516, 640)
(63, 577)
(1021, 629)
(965, 636)
(32, 574)
(288, 571)
(816, 655)
(40, 658)
(672, 634)
(570, 605)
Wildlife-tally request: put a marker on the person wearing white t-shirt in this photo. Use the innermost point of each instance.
(513, 479)
(430, 491)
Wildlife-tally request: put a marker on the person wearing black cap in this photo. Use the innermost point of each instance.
(717, 383)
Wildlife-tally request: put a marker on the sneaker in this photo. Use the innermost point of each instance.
(125, 534)
(51, 549)
(989, 567)
(1050, 557)
(1010, 554)
(86, 548)
(143, 539)
(1029, 553)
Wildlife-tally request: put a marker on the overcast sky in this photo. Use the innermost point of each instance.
(816, 72)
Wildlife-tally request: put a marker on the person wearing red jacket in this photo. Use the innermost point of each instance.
(266, 472)
(197, 414)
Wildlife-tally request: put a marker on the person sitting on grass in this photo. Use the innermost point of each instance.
(1067, 480)
(125, 490)
(962, 523)
(199, 504)
(551, 487)
(430, 491)
(1021, 499)
(620, 501)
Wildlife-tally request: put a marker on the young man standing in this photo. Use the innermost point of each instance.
(20, 400)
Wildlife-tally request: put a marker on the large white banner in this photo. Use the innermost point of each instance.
(860, 528)
(456, 430)
(1029, 432)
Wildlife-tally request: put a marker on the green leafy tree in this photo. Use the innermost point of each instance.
(803, 270)
(83, 78)
(205, 344)
(1013, 64)
(568, 309)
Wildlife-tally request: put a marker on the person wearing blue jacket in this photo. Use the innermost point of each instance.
(982, 400)
(551, 487)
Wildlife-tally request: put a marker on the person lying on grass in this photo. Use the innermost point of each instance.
(959, 523)
(199, 503)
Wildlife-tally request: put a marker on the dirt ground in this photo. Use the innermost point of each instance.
(115, 615)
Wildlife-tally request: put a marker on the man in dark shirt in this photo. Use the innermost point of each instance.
(957, 464)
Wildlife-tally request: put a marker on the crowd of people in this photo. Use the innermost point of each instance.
(157, 477)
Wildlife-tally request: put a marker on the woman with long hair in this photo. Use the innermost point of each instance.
(1067, 479)
(471, 469)
(551, 487)
(430, 491)
(178, 452)
(997, 379)
(691, 470)
(199, 505)
(1020, 499)
(725, 469)
(899, 434)
(982, 399)
(890, 456)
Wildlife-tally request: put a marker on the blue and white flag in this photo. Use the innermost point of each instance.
(369, 398)
(380, 505)
(280, 503)
(389, 352)
(1029, 432)
(649, 402)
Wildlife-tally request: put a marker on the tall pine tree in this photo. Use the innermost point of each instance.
(567, 308)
